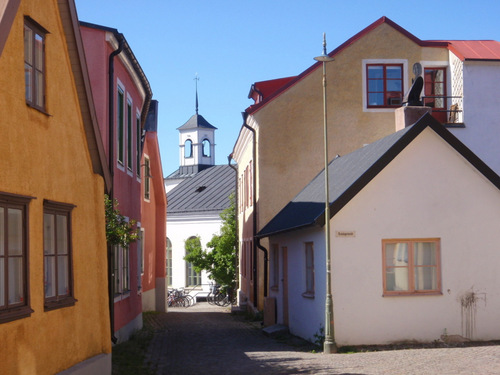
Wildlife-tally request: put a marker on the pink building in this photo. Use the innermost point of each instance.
(122, 96)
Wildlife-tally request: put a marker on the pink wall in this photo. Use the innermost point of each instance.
(126, 185)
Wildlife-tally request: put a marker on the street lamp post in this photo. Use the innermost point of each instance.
(329, 345)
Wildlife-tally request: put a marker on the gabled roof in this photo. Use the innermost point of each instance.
(8, 11)
(135, 65)
(207, 191)
(475, 50)
(349, 174)
(383, 20)
(69, 19)
(263, 89)
(196, 121)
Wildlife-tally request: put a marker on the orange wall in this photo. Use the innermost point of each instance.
(46, 156)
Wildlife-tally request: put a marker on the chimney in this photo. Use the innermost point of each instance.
(408, 115)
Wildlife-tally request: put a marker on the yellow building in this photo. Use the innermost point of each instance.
(280, 146)
(53, 268)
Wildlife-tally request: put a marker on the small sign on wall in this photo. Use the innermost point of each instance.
(345, 233)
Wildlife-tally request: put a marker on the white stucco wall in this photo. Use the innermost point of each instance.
(481, 106)
(428, 191)
(305, 315)
(179, 229)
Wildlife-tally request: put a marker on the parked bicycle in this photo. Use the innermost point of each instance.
(217, 296)
(178, 298)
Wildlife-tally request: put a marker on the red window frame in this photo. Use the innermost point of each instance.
(391, 98)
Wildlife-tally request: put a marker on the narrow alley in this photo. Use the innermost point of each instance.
(206, 339)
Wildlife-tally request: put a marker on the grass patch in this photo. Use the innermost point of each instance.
(129, 357)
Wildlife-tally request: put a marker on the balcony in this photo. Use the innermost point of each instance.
(449, 115)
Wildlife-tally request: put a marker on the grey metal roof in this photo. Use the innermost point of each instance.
(350, 173)
(196, 121)
(206, 191)
(187, 171)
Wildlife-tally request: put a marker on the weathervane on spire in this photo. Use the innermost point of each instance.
(196, 79)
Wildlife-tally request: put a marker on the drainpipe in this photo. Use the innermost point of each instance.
(256, 242)
(266, 261)
(229, 158)
(112, 171)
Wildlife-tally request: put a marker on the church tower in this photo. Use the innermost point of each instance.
(196, 142)
(196, 148)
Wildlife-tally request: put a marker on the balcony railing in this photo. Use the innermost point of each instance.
(451, 115)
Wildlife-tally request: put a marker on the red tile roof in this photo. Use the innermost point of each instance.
(475, 49)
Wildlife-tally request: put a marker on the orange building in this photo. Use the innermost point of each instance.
(154, 216)
(53, 175)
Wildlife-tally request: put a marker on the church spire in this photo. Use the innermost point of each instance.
(196, 79)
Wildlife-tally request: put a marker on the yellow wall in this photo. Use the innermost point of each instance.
(290, 127)
(46, 156)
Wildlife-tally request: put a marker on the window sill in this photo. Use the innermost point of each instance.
(454, 125)
(15, 314)
(411, 294)
(59, 304)
(41, 110)
(121, 296)
(308, 295)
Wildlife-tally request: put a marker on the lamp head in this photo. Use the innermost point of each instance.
(324, 56)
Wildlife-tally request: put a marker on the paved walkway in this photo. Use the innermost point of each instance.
(206, 339)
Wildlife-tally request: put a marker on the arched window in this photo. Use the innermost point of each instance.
(169, 262)
(193, 278)
(188, 149)
(206, 148)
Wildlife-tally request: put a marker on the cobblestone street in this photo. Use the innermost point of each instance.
(206, 339)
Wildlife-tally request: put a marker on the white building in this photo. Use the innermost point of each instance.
(196, 193)
(414, 234)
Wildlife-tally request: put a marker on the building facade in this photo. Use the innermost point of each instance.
(197, 193)
(122, 94)
(53, 285)
(281, 140)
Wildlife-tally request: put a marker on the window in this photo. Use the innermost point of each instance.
(169, 262)
(193, 278)
(435, 92)
(188, 149)
(140, 256)
(411, 266)
(34, 64)
(129, 136)
(309, 270)
(138, 145)
(275, 275)
(384, 85)
(206, 148)
(14, 297)
(250, 184)
(121, 273)
(119, 125)
(57, 254)
(147, 186)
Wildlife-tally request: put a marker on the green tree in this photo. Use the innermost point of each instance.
(119, 231)
(220, 261)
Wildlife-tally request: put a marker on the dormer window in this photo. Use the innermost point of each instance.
(188, 149)
(206, 148)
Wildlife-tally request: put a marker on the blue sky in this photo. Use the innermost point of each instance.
(231, 44)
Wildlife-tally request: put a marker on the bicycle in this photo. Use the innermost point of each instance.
(177, 298)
